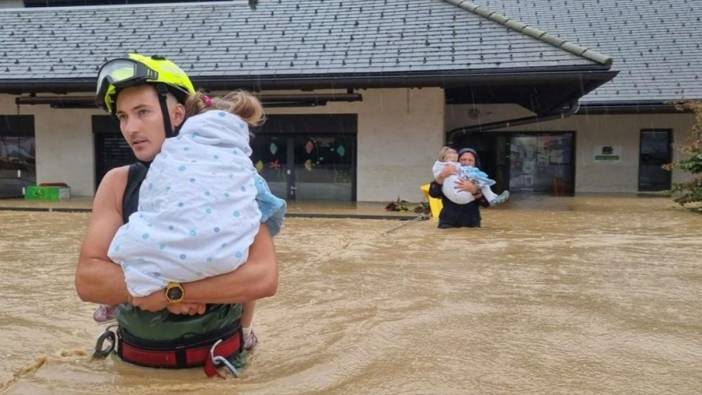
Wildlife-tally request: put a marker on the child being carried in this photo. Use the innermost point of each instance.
(465, 171)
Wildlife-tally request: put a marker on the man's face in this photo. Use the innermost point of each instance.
(140, 120)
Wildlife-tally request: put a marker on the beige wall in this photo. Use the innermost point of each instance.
(11, 4)
(399, 133)
(591, 131)
(64, 144)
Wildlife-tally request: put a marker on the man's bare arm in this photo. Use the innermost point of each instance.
(98, 279)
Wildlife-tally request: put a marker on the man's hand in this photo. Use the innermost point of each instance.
(155, 302)
(187, 308)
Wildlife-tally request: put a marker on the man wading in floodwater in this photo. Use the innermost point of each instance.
(189, 324)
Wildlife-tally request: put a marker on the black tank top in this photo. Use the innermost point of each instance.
(130, 199)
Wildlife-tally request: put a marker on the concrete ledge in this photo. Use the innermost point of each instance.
(375, 210)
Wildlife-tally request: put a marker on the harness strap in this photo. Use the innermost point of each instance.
(181, 357)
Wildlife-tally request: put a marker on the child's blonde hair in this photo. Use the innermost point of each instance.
(240, 103)
(444, 151)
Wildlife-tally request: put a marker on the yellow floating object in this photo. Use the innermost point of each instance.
(435, 205)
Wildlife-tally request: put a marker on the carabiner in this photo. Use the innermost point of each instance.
(111, 337)
(217, 360)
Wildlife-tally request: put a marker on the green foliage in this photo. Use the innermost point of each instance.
(689, 194)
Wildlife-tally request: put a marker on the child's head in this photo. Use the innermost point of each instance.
(448, 154)
(241, 103)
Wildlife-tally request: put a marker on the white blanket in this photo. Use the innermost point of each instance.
(197, 212)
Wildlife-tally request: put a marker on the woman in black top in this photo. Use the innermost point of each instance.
(455, 215)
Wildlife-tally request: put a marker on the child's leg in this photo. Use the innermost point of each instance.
(247, 314)
(493, 198)
(488, 193)
(105, 313)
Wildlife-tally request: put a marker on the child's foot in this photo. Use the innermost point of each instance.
(250, 340)
(105, 313)
(499, 199)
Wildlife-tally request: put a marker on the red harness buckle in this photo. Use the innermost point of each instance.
(182, 357)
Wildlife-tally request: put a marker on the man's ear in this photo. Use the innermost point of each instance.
(178, 115)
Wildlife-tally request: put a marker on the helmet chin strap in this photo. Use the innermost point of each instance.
(162, 95)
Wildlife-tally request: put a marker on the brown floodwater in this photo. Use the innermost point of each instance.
(553, 295)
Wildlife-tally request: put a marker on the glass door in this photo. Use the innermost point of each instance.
(308, 156)
(17, 154)
(654, 152)
(542, 163)
(324, 167)
(270, 157)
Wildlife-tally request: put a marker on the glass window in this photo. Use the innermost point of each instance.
(17, 154)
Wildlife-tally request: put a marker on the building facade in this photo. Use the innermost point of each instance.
(360, 95)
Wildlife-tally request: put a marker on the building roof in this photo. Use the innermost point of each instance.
(281, 40)
(655, 44)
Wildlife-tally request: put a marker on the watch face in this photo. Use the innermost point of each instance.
(174, 293)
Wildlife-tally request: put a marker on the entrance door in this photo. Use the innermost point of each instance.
(110, 148)
(542, 163)
(17, 154)
(654, 152)
(308, 157)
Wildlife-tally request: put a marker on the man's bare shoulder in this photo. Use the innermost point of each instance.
(111, 189)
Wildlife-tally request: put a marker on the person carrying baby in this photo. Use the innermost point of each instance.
(465, 169)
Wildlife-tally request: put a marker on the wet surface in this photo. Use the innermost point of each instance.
(558, 295)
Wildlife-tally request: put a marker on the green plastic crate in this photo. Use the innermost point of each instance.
(52, 194)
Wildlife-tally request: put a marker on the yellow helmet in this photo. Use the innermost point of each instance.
(136, 70)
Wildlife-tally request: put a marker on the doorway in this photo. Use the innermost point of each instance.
(308, 157)
(111, 150)
(654, 152)
(524, 161)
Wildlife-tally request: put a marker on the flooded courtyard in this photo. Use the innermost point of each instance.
(553, 295)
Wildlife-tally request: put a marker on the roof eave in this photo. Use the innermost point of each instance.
(440, 78)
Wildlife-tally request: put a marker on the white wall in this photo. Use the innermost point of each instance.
(591, 131)
(64, 144)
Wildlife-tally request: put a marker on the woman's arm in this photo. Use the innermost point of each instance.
(445, 172)
(468, 186)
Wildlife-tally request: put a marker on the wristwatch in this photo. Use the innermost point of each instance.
(174, 292)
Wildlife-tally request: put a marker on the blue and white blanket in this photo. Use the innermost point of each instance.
(200, 207)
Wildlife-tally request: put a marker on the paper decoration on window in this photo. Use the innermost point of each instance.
(259, 166)
(308, 165)
(274, 165)
(341, 150)
(309, 146)
(273, 148)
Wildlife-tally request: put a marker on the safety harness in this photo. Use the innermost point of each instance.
(211, 350)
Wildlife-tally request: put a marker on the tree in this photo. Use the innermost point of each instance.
(689, 194)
